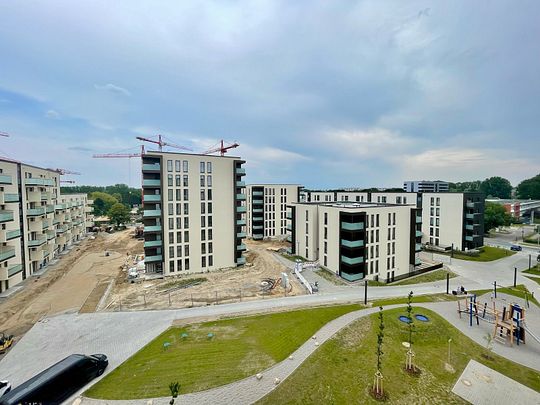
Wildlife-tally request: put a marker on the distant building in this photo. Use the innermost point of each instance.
(426, 186)
(194, 212)
(267, 209)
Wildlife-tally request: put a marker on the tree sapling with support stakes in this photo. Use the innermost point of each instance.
(377, 390)
(409, 365)
(174, 387)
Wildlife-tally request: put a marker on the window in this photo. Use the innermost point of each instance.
(171, 251)
(393, 261)
(203, 248)
(178, 195)
(209, 221)
(178, 223)
(432, 200)
(377, 251)
(377, 236)
(203, 195)
(325, 232)
(389, 219)
(210, 261)
(185, 178)
(186, 209)
(185, 167)
(171, 266)
(209, 194)
(325, 247)
(209, 181)
(186, 250)
(170, 180)
(307, 227)
(393, 233)
(431, 211)
(393, 248)
(177, 180)
(186, 264)
(171, 223)
(177, 164)
(209, 207)
(171, 237)
(430, 231)
(437, 232)
(210, 247)
(179, 265)
(170, 209)
(377, 219)
(203, 234)
(437, 212)
(326, 219)
(436, 221)
(170, 194)
(178, 251)
(325, 261)
(186, 195)
(203, 221)
(394, 218)
(208, 167)
(209, 234)
(203, 208)
(186, 236)
(178, 237)
(169, 165)
(438, 202)
(201, 166)
(203, 259)
(202, 180)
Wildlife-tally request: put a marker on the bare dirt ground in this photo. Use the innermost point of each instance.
(228, 285)
(69, 283)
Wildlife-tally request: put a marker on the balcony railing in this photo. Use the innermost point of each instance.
(240, 171)
(10, 198)
(241, 247)
(358, 226)
(240, 196)
(59, 207)
(16, 233)
(257, 193)
(258, 210)
(6, 216)
(151, 183)
(258, 202)
(418, 219)
(151, 167)
(258, 236)
(151, 213)
(5, 179)
(38, 181)
(240, 184)
(418, 234)
(37, 241)
(241, 235)
(152, 228)
(258, 227)
(15, 269)
(352, 277)
(469, 216)
(153, 259)
(418, 247)
(240, 260)
(153, 243)
(240, 222)
(352, 260)
(241, 209)
(352, 243)
(6, 253)
(152, 197)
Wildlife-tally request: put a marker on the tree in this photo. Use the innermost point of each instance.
(129, 195)
(119, 214)
(496, 187)
(378, 390)
(495, 215)
(465, 186)
(174, 387)
(529, 188)
(104, 202)
(409, 366)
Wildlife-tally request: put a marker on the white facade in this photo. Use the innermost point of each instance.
(194, 212)
(426, 186)
(358, 240)
(267, 209)
(352, 196)
(322, 196)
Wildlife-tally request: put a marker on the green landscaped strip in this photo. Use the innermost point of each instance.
(240, 347)
(533, 270)
(332, 277)
(341, 370)
(488, 254)
(535, 279)
(435, 275)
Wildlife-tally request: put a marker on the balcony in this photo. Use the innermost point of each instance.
(258, 210)
(289, 215)
(46, 196)
(258, 219)
(240, 222)
(240, 171)
(153, 259)
(257, 193)
(469, 216)
(469, 227)
(241, 235)
(258, 227)
(5, 179)
(37, 241)
(352, 277)
(352, 243)
(6, 216)
(352, 260)
(241, 247)
(241, 209)
(258, 236)
(153, 243)
(469, 238)
(11, 198)
(45, 224)
(418, 234)
(240, 184)
(258, 202)
(88, 209)
(288, 228)
(38, 181)
(62, 229)
(49, 209)
(6, 252)
(418, 247)
(151, 213)
(16, 233)
(470, 204)
(358, 226)
(51, 235)
(240, 260)
(56, 221)
(152, 228)
(240, 196)
(59, 207)
(289, 238)
(15, 269)
(418, 220)
(417, 261)
(151, 167)
(151, 183)
(152, 198)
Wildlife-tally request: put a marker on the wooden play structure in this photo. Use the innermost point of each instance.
(509, 323)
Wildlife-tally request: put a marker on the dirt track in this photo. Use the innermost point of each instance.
(67, 284)
(230, 285)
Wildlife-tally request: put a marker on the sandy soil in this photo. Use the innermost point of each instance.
(229, 285)
(68, 283)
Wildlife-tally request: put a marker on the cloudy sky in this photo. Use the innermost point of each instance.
(323, 93)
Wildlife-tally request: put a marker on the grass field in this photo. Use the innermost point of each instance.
(488, 254)
(533, 270)
(241, 347)
(341, 371)
(435, 275)
(535, 279)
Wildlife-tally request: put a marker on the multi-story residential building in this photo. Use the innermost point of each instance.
(426, 186)
(267, 209)
(322, 196)
(358, 240)
(352, 196)
(453, 219)
(37, 223)
(194, 212)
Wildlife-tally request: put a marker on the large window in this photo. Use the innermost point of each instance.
(209, 167)
(169, 165)
(201, 166)
(186, 167)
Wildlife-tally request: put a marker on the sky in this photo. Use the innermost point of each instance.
(322, 93)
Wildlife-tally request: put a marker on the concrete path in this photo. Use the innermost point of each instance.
(481, 385)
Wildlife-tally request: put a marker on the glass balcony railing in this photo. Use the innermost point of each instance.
(240, 184)
(258, 236)
(241, 247)
(37, 241)
(151, 213)
(258, 210)
(352, 243)
(240, 260)
(152, 197)
(241, 209)
(469, 238)
(241, 235)
(16, 233)
(6, 253)
(151, 167)
(151, 183)
(59, 207)
(153, 259)
(240, 171)
(5, 179)
(418, 247)
(15, 269)
(152, 228)
(10, 198)
(38, 181)
(258, 227)
(257, 193)
(352, 277)
(6, 216)
(240, 196)
(418, 234)
(469, 227)
(153, 243)
(469, 216)
(289, 239)
(358, 226)
(257, 202)
(352, 260)
(418, 220)
(240, 222)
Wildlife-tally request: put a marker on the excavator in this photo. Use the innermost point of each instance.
(5, 342)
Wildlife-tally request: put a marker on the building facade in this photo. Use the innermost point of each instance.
(37, 223)
(426, 186)
(358, 240)
(267, 209)
(194, 212)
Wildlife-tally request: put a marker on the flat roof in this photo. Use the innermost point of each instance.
(157, 152)
(274, 184)
(353, 204)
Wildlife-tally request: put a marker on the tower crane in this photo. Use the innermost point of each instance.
(119, 155)
(64, 171)
(2, 133)
(222, 148)
(68, 181)
(161, 143)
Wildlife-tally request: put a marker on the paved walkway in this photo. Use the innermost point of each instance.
(481, 385)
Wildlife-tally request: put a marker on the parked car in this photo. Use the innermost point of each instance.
(5, 387)
(516, 248)
(57, 383)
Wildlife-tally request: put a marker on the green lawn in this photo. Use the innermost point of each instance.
(293, 258)
(533, 270)
(328, 275)
(435, 275)
(241, 347)
(488, 254)
(341, 371)
(519, 291)
(535, 279)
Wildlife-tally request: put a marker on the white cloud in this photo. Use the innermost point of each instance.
(52, 114)
(112, 89)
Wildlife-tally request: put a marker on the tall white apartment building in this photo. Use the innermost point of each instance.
(322, 196)
(358, 240)
(267, 209)
(426, 186)
(194, 212)
(37, 223)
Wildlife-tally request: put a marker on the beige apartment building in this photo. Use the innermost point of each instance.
(194, 212)
(267, 209)
(37, 222)
(358, 240)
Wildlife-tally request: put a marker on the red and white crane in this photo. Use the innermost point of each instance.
(64, 171)
(161, 143)
(119, 155)
(222, 148)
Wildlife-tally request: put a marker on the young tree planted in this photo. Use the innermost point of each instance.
(378, 390)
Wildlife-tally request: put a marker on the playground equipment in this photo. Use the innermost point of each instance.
(509, 323)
